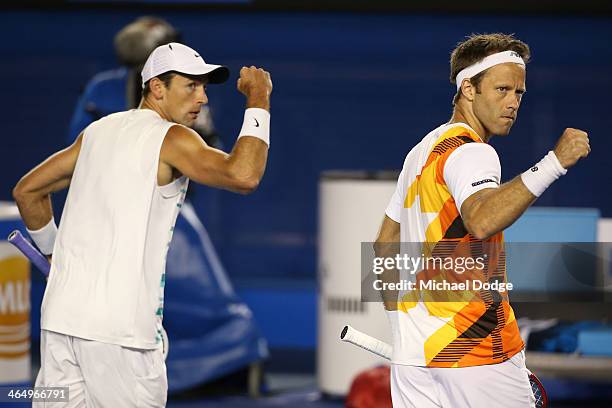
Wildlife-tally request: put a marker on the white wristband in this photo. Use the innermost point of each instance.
(45, 237)
(539, 177)
(257, 124)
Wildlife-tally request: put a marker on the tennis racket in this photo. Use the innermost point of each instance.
(384, 350)
(538, 391)
(42, 263)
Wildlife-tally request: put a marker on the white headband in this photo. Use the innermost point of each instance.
(488, 62)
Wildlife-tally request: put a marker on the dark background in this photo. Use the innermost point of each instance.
(355, 87)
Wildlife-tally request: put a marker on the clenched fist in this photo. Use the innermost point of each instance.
(572, 145)
(256, 85)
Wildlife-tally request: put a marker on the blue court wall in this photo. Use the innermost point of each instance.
(351, 91)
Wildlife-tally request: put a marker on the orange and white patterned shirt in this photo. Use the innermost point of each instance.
(478, 327)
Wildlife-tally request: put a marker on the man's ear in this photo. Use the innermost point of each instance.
(468, 90)
(158, 88)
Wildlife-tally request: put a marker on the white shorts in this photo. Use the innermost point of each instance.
(501, 385)
(101, 374)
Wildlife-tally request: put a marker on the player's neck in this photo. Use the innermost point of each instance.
(462, 115)
(147, 104)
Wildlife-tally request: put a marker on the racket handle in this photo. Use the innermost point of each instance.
(373, 345)
(38, 259)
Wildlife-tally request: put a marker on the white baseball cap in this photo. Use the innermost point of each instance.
(180, 58)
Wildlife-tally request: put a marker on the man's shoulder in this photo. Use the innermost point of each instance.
(112, 117)
(118, 119)
(449, 137)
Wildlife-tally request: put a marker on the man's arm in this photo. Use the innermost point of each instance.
(239, 171)
(389, 233)
(33, 192)
(387, 246)
(489, 211)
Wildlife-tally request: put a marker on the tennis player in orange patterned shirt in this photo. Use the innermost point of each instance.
(466, 352)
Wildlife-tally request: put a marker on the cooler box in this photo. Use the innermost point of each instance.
(595, 342)
(15, 367)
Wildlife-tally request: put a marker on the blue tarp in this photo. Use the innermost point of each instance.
(211, 331)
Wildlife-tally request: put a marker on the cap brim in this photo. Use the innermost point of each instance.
(216, 74)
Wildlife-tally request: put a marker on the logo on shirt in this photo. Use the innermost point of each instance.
(534, 169)
(477, 183)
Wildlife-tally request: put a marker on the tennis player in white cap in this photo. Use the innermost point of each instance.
(128, 174)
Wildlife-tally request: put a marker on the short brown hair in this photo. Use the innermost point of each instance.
(166, 78)
(478, 46)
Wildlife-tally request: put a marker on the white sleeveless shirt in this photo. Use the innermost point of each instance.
(108, 270)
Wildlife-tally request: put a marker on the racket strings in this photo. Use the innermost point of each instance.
(541, 401)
